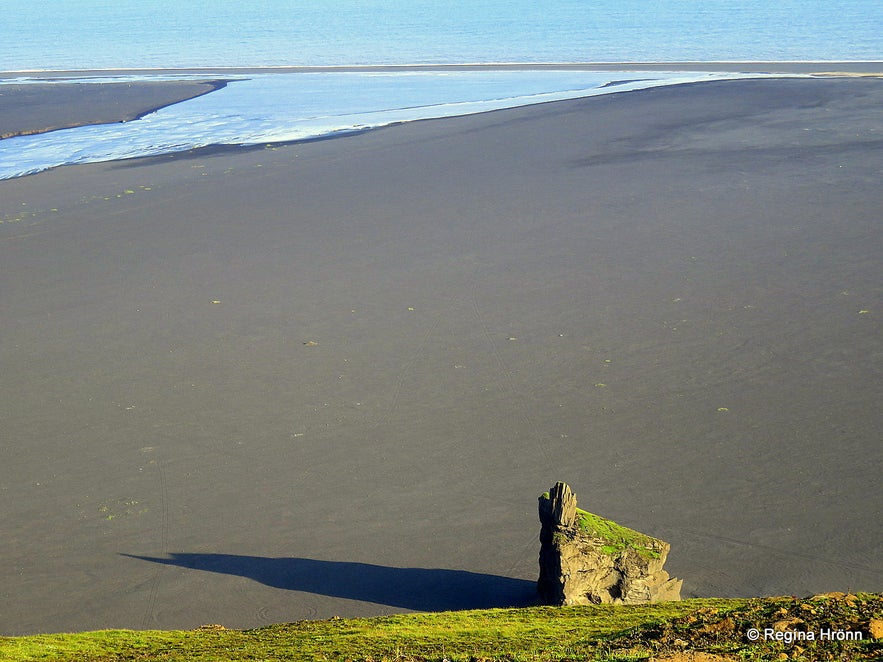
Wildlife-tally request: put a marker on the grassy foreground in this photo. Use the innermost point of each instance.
(707, 630)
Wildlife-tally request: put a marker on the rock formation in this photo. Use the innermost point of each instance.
(586, 559)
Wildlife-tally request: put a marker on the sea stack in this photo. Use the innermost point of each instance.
(586, 559)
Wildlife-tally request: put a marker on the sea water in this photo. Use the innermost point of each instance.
(124, 34)
(86, 34)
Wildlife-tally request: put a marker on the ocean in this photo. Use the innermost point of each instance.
(125, 34)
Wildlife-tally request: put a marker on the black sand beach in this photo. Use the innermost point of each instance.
(244, 386)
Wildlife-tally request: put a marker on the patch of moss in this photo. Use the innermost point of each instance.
(559, 538)
(616, 538)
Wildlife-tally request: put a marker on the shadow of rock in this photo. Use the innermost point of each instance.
(418, 589)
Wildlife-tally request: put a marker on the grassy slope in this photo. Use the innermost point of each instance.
(596, 633)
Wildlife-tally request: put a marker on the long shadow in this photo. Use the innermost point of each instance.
(419, 589)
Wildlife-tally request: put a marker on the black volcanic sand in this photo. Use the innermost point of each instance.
(244, 386)
(29, 108)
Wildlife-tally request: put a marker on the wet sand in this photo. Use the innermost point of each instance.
(31, 108)
(244, 386)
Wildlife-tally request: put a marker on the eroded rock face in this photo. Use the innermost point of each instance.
(585, 559)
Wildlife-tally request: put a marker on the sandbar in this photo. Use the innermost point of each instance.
(30, 108)
(756, 66)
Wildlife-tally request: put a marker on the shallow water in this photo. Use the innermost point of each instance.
(294, 106)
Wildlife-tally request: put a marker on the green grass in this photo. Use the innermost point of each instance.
(617, 538)
(601, 633)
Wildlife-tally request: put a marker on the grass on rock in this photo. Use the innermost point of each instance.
(617, 538)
